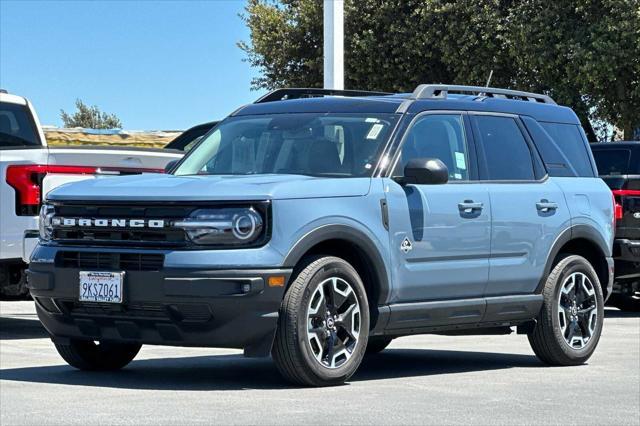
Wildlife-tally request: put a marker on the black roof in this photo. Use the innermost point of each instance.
(391, 104)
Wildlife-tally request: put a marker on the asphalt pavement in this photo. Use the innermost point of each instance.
(418, 380)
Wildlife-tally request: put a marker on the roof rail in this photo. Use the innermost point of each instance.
(297, 93)
(440, 91)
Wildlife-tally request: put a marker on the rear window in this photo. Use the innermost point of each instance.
(17, 128)
(568, 141)
(506, 153)
(613, 161)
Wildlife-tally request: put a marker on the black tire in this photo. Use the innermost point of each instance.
(625, 302)
(547, 339)
(91, 356)
(292, 351)
(377, 344)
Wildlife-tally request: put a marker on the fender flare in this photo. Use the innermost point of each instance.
(573, 232)
(354, 236)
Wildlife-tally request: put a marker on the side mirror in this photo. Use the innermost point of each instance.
(168, 168)
(426, 171)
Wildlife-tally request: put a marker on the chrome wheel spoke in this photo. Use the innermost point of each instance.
(333, 322)
(577, 310)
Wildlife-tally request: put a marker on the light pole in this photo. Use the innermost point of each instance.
(334, 44)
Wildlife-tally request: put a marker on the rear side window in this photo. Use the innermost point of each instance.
(568, 140)
(613, 161)
(17, 128)
(506, 153)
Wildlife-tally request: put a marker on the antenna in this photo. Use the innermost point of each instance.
(489, 79)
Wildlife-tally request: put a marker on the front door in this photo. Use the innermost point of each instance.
(439, 234)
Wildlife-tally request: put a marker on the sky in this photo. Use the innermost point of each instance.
(158, 65)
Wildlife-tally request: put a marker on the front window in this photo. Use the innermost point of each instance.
(314, 144)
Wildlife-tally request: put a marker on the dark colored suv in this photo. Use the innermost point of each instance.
(619, 166)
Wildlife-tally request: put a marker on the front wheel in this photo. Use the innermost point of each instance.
(570, 322)
(97, 356)
(323, 324)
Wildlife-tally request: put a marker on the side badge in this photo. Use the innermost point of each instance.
(406, 246)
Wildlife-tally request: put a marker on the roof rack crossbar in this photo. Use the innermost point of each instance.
(440, 91)
(297, 93)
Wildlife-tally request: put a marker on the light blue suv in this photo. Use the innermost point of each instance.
(317, 225)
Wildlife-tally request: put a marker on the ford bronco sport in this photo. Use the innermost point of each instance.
(317, 225)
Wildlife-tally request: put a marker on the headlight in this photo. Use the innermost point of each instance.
(46, 229)
(228, 226)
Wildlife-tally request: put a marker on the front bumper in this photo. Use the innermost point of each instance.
(627, 259)
(171, 306)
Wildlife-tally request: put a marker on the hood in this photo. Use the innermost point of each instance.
(161, 187)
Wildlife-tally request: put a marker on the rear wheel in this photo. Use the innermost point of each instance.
(378, 344)
(570, 322)
(323, 324)
(96, 356)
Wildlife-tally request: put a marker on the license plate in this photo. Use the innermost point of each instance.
(103, 287)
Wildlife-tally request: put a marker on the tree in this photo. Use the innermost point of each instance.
(90, 117)
(584, 53)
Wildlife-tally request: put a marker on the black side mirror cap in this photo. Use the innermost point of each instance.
(425, 171)
(168, 168)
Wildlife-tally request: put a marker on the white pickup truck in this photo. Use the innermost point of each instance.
(29, 169)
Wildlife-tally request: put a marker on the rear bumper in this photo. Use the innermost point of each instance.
(179, 307)
(627, 259)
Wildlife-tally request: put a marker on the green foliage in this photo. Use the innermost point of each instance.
(90, 117)
(584, 53)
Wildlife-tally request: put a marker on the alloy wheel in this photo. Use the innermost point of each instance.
(333, 322)
(577, 310)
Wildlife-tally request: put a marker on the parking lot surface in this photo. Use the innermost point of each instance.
(418, 380)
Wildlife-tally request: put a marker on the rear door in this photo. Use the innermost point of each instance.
(439, 234)
(529, 210)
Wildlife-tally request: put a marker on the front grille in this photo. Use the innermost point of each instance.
(117, 261)
(101, 235)
(126, 236)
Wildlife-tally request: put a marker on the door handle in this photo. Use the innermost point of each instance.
(468, 206)
(545, 206)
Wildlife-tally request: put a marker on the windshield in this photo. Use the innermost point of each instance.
(315, 144)
(17, 129)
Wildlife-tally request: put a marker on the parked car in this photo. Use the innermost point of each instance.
(187, 139)
(29, 169)
(619, 166)
(319, 229)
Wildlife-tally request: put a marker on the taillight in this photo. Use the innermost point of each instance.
(619, 213)
(618, 195)
(26, 179)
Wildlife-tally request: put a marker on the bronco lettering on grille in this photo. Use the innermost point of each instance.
(111, 223)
